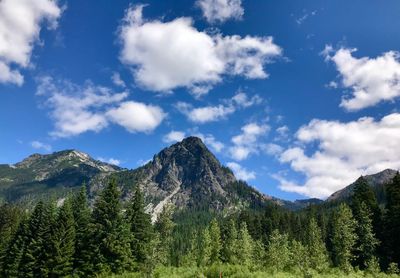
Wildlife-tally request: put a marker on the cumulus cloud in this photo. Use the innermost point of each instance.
(221, 10)
(215, 113)
(247, 142)
(111, 160)
(371, 80)
(168, 55)
(205, 114)
(20, 25)
(117, 80)
(136, 116)
(240, 172)
(210, 141)
(174, 136)
(77, 109)
(39, 145)
(344, 152)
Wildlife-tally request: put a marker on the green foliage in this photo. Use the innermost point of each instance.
(316, 249)
(216, 245)
(162, 242)
(109, 235)
(245, 247)
(343, 237)
(392, 220)
(278, 253)
(140, 229)
(204, 249)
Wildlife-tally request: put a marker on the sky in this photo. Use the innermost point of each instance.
(298, 98)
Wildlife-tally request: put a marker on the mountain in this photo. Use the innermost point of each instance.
(187, 175)
(376, 181)
(45, 175)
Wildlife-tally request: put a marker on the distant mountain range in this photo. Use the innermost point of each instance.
(185, 174)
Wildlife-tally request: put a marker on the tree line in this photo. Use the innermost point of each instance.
(75, 240)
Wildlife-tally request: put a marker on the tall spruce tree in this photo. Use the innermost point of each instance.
(392, 220)
(316, 249)
(11, 264)
(164, 227)
(62, 245)
(204, 249)
(278, 253)
(109, 234)
(216, 245)
(245, 248)
(140, 228)
(343, 237)
(229, 252)
(36, 255)
(81, 214)
(365, 248)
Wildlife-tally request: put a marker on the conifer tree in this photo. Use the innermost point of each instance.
(11, 264)
(366, 241)
(62, 243)
(278, 253)
(299, 256)
(229, 251)
(109, 234)
(392, 220)
(316, 249)
(245, 246)
(204, 249)
(164, 227)
(81, 214)
(36, 255)
(140, 228)
(216, 245)
(343, 237)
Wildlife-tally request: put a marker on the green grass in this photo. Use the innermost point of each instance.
(235, 271)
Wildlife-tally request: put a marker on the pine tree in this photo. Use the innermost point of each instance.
(343, 237)
(11, 265)
(366, 241)
(278, 253)
(81, 214)
(36, 255)
(204, 249)
(392, 220)
(245, 246)
(140, 228)
(229, 252)
(109, 234)
(62, 243)
(9, 221)
(216, 246)
(316, 249)
(164, 227)
(299, 256)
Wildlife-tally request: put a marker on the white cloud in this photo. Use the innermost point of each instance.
(210, 141)
(247, 143)
(20, 24)
(205, 114)
(371, 80)
(112, 161)
(215, 113)
(77, 109)
(242, 100)
(272, 149)
(221, 10)
(174, 136)
(169, 55)
(240, 172)
(39, 145)
(136, 116)
(116, 79)
(344, 152)
(305, 16)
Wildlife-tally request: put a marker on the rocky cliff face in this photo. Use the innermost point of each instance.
(187, 175)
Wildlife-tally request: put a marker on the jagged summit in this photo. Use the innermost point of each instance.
(376, 181)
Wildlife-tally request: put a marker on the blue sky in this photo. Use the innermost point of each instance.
(297, 97)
